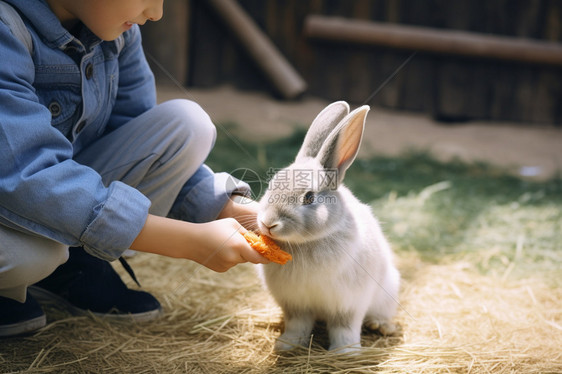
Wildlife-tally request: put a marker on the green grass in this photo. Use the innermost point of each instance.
(452, 211)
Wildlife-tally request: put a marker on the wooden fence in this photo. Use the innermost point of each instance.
(200, 51)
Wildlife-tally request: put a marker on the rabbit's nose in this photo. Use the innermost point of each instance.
(269, 227)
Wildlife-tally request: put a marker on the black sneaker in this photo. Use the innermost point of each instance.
(20, 318)
(86, 283)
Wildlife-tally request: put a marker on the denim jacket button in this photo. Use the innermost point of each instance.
(80, 126)
(89, 70)
(55, 109)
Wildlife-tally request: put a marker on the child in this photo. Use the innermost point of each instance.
(89, 161)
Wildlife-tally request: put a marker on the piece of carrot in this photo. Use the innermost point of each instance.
(267, 248)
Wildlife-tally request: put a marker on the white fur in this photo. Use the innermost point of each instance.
(342, 270)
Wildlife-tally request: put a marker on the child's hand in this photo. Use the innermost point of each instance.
(217, 245)
(221, 246)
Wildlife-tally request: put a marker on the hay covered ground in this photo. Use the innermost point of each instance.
(480, 256)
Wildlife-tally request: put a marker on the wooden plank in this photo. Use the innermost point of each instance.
(503, 89)
(207, 48)
(418, 84)
(172, 54)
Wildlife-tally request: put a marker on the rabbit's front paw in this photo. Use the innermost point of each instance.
(297, 332)
(345, 339)
(348, 349)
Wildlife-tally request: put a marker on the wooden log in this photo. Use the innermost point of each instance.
(426, 39)
(283, 76)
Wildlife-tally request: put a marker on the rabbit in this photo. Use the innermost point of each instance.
(342, 270)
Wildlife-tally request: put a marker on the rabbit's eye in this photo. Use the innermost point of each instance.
(308, 198)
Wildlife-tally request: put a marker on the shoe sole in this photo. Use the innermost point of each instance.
(24, 327)
(44, 296)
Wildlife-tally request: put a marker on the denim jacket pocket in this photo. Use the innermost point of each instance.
(60, 92)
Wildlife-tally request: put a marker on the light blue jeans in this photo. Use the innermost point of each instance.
(160, 153)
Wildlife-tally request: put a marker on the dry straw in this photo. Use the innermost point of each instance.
(453, 320)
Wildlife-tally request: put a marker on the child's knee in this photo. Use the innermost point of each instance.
(193, 122)
(190, 130)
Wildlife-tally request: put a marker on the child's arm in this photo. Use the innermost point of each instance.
(42, 189)
(217, 245)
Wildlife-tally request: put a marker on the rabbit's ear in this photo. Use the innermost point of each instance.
(321, 127)
(342, 145)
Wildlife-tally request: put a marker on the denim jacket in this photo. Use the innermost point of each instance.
(52, 105)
